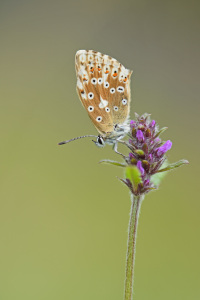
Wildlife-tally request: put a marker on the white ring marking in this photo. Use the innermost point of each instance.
(90, 108)
(120, 89)
(94, 81)
(124, 101)
(106, 84)
(90, 96)
(100, 80)
(99, 119)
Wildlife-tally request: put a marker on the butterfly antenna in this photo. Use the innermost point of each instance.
(77, 138)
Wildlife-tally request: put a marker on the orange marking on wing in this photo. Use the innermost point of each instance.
(106, 72)
(99, 69)
(114, 74)
(91, 69)
(125, 79)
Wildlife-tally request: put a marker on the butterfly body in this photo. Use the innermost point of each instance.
(103, 86)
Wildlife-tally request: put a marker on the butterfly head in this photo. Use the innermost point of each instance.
(119, 131)
(100, 142)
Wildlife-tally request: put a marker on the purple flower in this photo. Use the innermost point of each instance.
(147, 154)
(153, 123)
(157, 140)
(147, 181)
(150, 157)
(132, 122)
(139, 165)
(140, 136)
(164, 148)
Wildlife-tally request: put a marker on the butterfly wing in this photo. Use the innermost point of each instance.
(103, 85)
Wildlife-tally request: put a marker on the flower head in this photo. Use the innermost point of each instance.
(148, 153)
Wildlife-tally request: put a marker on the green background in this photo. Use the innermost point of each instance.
(64, 217)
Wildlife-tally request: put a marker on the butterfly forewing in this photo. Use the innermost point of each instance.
(103, 85)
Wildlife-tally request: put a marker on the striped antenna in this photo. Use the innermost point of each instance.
(80, 137)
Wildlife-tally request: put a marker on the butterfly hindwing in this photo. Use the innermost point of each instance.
(103, 85)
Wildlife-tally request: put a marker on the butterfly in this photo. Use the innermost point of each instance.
(103, 86)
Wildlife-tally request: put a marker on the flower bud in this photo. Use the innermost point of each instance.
(140, 136)
(133, 132)
(152, 124)
(148, 132)
(145, 164)
(145, 148)
(139, 152)
(132, 123)
(164, 148)
(139, 165)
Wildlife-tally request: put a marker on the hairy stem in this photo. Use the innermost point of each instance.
(132, 233)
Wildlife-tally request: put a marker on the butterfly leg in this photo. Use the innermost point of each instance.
(115, 149)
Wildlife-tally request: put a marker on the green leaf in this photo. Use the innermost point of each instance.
(158, 177)
(134, 175)
(161, 131)
(174, 165)
(112, 162)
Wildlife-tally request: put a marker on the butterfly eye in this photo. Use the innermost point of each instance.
(100, 141)
(90, 108)
(94, 81)
(112, 90)
(124, 101)
(106, 84)
(99, 119)
(90, 96)
(107, 109)
(100, 80)
(115, 108)
(120, 89)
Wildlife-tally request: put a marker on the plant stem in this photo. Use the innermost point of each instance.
(132, 233)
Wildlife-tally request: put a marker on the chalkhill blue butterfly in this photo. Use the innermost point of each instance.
(103, 86)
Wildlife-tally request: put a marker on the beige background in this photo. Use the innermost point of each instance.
(64, 217)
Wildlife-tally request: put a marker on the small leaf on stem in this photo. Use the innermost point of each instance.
(161, 131)
(174, 165)
(112, 162)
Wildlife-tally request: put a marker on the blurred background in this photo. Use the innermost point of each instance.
(64, 217)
